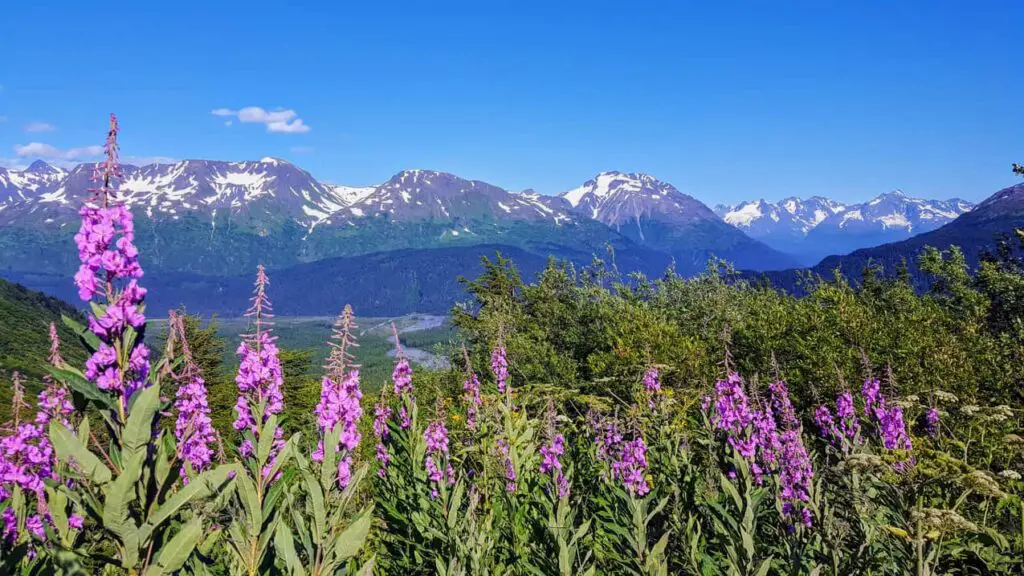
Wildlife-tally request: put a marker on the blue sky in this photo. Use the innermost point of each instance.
(726, 100)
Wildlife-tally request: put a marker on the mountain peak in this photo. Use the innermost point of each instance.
(40, 167)
(619, 184)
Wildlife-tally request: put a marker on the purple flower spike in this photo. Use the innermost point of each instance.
(259, 377)
(932, 422)
(193, 428)
(499, 366)
(436, 438)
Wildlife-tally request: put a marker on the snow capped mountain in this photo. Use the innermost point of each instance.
(616, 198)
(656, 214)
(430, 195)
(38, 178)
(760, 217)
(269, 188)
(816, 227)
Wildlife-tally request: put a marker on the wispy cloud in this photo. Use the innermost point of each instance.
(13, 163)
(144, 160)
(40, 127)
(280, 121)
(302, 149)
(48, 152)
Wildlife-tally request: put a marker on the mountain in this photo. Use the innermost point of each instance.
(974, 232)
(655, 214)
(379, 284)
(222, 218)
(255, 193)
(24, 341)
(815, 227)
(18, 186)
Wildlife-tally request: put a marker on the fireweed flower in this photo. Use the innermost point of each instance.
(652, 386)
(874, 401)
(826, 423)
(382, 412)
(10, 519)
(75, 521)
(550, 462)
(510, 469)
(259, 377)
(471, 389)
(795, 475)
(607, 436)
(849, 424)
(842, 429)
(499, 367)
(892, 430)
(402, 378)
(339, 405)
(110, 268)
(782, 407)
(436, 438)
(630, 467)
(193, 428)
(54, 404)
(932, 422)
(763, 444)
(34, 524)
(733, 415)
(55, 401)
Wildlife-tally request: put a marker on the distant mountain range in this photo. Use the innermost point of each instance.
(217, 218)
(974, 232)
(398, 246)
(813, 228)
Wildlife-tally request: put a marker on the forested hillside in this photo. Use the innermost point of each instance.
(25, 317)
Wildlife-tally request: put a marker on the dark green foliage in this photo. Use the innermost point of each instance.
(571, 329)
(25, 317)
(301, 391)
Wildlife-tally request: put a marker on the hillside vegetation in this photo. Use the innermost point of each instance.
(587, 425)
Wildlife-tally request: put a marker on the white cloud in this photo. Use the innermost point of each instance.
(48, 152)
(13, 163)
(40, 127)
(280, 121)
(145, 160)
(228, 122)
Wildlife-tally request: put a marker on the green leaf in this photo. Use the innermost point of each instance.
(77, 383)
(456, 502)
(83, 428)
(70, 450)
(284, 455)
(119, 495)
(731, 490)
(765, 566)
(138, 430)
(250, 502)
(316, 497)
(82, 332)
(173, 555)
(198, 488)
(284, 544)
(351, 540)
(266, 440)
